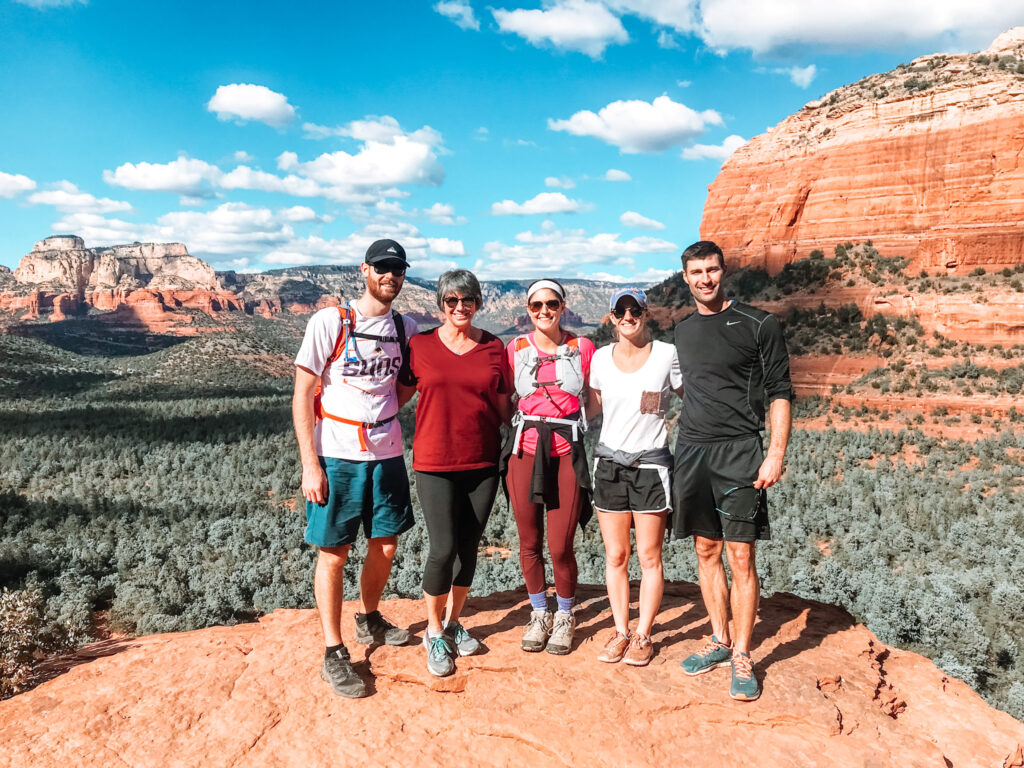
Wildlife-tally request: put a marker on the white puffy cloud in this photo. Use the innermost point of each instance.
(572, 25)
(233, 229)
(680, 15)
(563, 182)
(714, 151)
(372, 128)
(241, 156)
(12, 184)
(459, 11)
(644, 279)
(184, 176)
(388, 157)
(443, 213)
(545, 202)
(637, 126)
(800, 76)
(614, 174)
(67, 198)
(244, 177)
(561, 252)
(634, 219)
(668, 41)
(442, 246)
(245, 101)
(868, 25)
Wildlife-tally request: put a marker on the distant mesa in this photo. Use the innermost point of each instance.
(155, 285)
(926, 161)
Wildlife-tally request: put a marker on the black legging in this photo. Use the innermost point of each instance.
(456, 506)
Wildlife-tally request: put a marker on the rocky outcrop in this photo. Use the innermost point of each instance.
(63, 263)
(250, 695)
(927, 161)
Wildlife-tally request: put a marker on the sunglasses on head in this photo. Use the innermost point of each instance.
(381, 269)
(453, 301)
(620, 312)
(552, 304)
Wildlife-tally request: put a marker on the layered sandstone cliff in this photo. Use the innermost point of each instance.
(62, 263)
(927, 161)
(250, 696)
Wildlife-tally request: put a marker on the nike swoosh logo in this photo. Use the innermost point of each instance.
(734, 322)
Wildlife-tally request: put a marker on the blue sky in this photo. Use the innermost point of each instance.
(519, 139)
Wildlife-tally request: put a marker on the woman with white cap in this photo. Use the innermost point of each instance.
(631, 379)
(544, 465)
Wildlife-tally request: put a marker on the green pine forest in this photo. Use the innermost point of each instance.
(155, 491)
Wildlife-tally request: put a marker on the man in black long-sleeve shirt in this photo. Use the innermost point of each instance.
(733, 357)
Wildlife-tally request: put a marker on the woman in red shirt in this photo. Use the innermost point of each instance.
(464, 384)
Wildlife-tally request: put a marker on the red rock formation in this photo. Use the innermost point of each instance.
(65, 305)
(250, 696)
(927, 161)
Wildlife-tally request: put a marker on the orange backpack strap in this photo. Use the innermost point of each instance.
(521, 343)
(346, 322)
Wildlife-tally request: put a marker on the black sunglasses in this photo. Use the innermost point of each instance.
(552, 304)
(383, 270)
(620, 312)
(453, 301)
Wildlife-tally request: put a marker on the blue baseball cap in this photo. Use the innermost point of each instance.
(632, 292)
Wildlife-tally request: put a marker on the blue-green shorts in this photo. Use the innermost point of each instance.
(374, 493)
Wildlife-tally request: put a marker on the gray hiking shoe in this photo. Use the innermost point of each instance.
(465, 644)
(561, 633)
(339, 672)
(440, 661)
(373, 628)
(715, 653)
(537, 631)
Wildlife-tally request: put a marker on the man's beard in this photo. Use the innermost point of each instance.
(383, 294)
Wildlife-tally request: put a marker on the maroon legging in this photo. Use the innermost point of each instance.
(562, 522)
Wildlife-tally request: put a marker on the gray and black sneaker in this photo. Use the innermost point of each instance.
(339, 672)
(372, 628)
(562, 631)
(537, 631)
(465, 644)
(440, 661)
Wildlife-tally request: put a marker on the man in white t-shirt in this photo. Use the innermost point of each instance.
(353, 472)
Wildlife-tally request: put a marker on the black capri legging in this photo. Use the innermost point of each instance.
(456, 506)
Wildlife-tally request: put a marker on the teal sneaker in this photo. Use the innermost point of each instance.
(465, 644)
(744, 684)
(440, 661)
(715, 653)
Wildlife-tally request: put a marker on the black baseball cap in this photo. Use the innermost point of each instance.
(383, 251)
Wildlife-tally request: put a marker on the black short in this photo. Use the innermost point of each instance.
(713, 493)
(630, 489)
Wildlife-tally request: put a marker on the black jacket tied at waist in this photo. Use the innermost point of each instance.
(544, 479)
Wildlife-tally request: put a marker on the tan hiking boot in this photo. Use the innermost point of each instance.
(614, 648)
(537, 631)
(640, 652)
(560, 642)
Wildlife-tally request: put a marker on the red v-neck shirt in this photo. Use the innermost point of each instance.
(457, 416)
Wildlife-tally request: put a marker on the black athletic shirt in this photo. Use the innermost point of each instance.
(731, 362)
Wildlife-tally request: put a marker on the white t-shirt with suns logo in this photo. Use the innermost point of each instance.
(359, 385)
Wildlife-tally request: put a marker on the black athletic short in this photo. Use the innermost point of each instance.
(713, 492)
(618, 488)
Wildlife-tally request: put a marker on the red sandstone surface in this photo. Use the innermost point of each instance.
(250, 696)
(935, 174)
